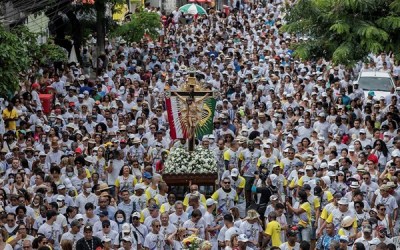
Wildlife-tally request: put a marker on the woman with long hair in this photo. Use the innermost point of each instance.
(18, 184)
(381, 151)
(340, 184)
(302, 215)
(383, 218)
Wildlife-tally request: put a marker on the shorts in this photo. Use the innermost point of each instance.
(249, 183)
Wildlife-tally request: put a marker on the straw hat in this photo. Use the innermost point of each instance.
(103, 186)
(347, 221)
(252, 214)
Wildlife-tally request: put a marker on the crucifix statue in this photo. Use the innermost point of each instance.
(193, 112)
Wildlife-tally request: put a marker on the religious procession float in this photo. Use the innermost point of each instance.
(190, 115)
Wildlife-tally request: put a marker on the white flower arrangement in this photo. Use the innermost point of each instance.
(181, 161)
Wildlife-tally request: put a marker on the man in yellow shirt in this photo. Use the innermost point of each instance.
(273, 230)
(10, 117)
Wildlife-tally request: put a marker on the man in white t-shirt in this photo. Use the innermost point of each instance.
(51, 230)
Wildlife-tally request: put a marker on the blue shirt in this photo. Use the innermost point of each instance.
(325, 241)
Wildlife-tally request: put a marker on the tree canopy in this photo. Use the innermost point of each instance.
(344, 31)
(19, 50)
(142, 23)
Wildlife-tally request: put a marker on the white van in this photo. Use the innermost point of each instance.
(379, 82)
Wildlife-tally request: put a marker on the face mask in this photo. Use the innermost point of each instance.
(88, 190)
(144, 144)
(59, 203)
(211, 140)
(245, 134)
(11, 180)
(94, 154)
(296, 112)
(36, 204)
(120, 220)
(70, 174)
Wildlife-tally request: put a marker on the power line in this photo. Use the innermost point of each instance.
(28, 9)
(16, 10)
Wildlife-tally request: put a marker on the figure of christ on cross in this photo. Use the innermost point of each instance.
(192, 112)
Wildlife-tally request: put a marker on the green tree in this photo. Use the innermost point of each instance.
(18, 50)
(142, 23)
(344, 31)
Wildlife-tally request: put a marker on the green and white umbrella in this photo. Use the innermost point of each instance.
(193, 9)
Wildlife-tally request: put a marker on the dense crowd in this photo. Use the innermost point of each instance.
(305, 159)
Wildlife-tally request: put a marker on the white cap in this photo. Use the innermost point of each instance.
(210, 202)
(354, 184)
(126, 228)
(326, 180)
(136, 214)
(331, 174)
(140, 186)
(323, 165)
(309, 167)
(234, 172)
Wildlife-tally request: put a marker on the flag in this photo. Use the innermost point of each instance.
(177, 129)
(206, 125)
(175, 117)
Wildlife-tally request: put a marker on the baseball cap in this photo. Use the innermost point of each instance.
(140, 186)
(234, 172)
(147, 175)
(105, 223)
(136, 214)
(75, 223)
(126, 228)
(103, 213)
(274, 197)
(210, 202)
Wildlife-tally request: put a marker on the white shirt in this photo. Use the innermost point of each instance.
(81, 200)
(71, 237)
(154, 241)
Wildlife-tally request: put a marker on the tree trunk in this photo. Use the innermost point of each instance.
(100, 26)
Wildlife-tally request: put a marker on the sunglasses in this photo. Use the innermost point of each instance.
(227, 182)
